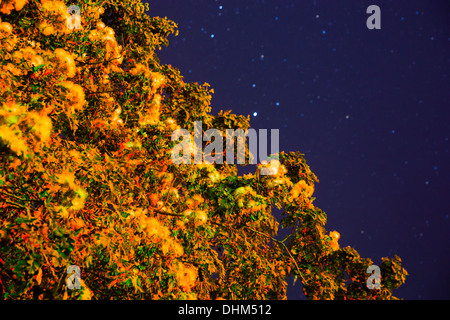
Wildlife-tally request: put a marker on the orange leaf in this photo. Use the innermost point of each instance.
(39, 276)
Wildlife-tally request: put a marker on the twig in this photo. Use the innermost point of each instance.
(18, 205)
(168, 214)
(14, 196)
(277, 241)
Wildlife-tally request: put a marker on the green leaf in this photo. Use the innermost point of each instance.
(19, 220)
(23, 220)
(34, 69)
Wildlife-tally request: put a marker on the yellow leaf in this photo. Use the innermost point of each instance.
(39, 276)
(87, 293)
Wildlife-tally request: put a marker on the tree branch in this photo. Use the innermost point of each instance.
(277, 241)
(168, 214)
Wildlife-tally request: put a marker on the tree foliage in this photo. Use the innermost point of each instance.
(86, 176)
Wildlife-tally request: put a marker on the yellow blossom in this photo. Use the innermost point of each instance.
(115, 118)
(75, 96)
(154, 229)
(165, 247)
(157, 80)
(13, 139)
(198, 199)
(42, 126)
(334, 240)
(66, 63)
(66, 177)
(54, 18)
(200, 218)
(77, 203)
(274, 168)
(153, 113)
(75, 155)
(29, 55)
(105, 36)
(177, 249)
(46, 28)
(171, 124)
(7, 6)
(301, 187)
(19, 4)
(63, 212)
(5, 28)
(8, 41)
(186, 276)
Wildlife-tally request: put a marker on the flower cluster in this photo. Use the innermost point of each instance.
(171, 124)
(105, 37)
(274, 168)
(6, 6)
(200, 218)
(151, 117)
(11, 115)
(151, 114)
(8, 40)
(334, 240)
(154, 229)
(29, 55)
(275, 174)
(157, 79)
(67, 180)
(242, 191)
(9, 68)
(299, 188)
(74, 97)
(115, 118)
(54, 19)
(64, 63)
(246, 197)
(13, 139)
(206, 171)
(41, 126)
(159, 233)
(186, 276)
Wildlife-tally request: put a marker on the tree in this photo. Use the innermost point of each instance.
(86, 176)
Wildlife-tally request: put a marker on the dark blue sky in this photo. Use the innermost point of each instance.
(369, 108)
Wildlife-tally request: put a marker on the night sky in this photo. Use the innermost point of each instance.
(369, 109)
